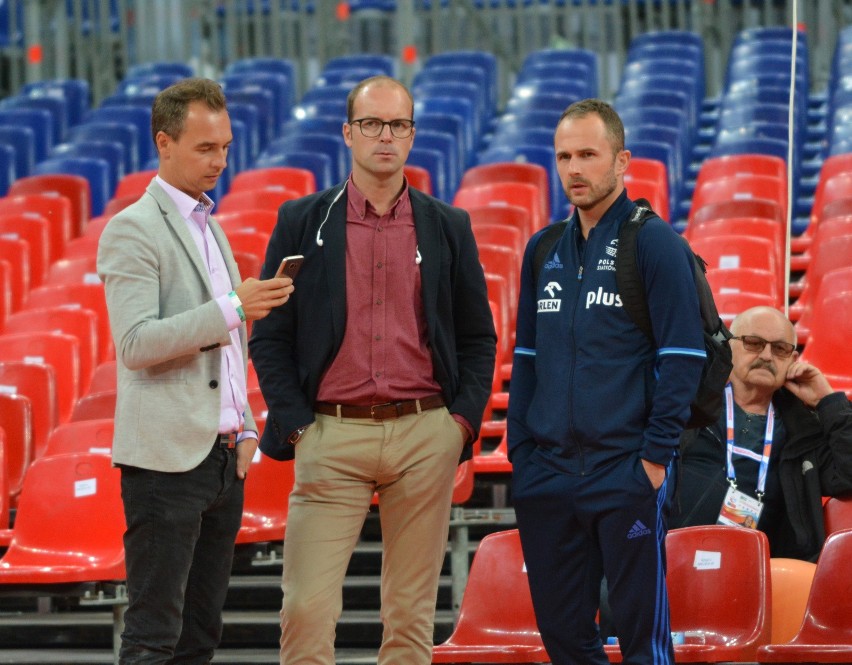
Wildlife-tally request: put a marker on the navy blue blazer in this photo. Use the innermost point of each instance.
(293, 346)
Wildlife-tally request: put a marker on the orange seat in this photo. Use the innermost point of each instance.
(134, 184)
(33, 228)
(791, 586)
(288, 177)
(86, 296)
(837, 514)
(94, 406)
(80, 323)
(16, 419)
(418, 177)
(489, 631)
(38, 383)
(511, 172)
(248, 220)
(73, 187)
(58, 350)
(500, 194)
(85, 436)
(267, 490)
(55, 209)
(825, 635)
(266, 198)
(69, 524)
(719, 584)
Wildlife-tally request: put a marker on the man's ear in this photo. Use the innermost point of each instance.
(622, 161)
(162, 141)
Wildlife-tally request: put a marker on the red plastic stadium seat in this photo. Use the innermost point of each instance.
(56, 209)
(740, 188)
(719, 581)
(753, 227)
(825, 195)
(730, 304)
(825, 635)
(501, 260)
(116, 204)
(60, 351)
(266, 198)
(641, 188)
(267, 490)
(831, 329)
(5, 531)
(134, 184)
(489, 631)
(80, 270)
(15, 252)
(37, 382)
(418, 177)
(86, 296)
(248, 220)
(743, 280)
(104, 377)
(94, 406)
(32, 228)
(16, 421)
(837, 514)
(521, 194)
(69, 524)
(722, 252)
(834, 281)
(292, 178)
(500, 234)
(85, 436)
(832, 253)
(497, 461)
(80, 323)
(511, 172)
(507, 215)
(728, 166)
(73, 187)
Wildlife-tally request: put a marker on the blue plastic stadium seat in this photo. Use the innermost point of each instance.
(268, 66)
(147, 82)
(383, 63)
(331, 145)
(317, 163)
(250, 117)
(125, 133)
(112, 152)
(38, 120)
(7, 167)
(139, 116)
(22, 140)
(557, 56)
(446, 144)
(75, 91)
(155, 68)
(278, 84)
(482, 59)
(434, 161)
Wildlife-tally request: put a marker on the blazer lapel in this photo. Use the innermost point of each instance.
(177, 224)
(333, 252)
(428, 233)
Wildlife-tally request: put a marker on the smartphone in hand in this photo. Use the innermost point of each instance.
(290, 266)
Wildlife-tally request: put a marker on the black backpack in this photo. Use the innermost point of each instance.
(709, 400)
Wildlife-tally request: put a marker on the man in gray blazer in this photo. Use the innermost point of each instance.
(184, 434)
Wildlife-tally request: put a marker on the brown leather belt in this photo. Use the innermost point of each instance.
(380, 411)
(228, 440)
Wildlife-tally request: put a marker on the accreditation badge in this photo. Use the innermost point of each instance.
(740, 509)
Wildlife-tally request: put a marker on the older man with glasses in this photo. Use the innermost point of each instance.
(784, 442)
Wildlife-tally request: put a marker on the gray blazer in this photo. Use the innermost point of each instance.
(167, 331)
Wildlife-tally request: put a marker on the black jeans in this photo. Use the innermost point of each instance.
(179, 548)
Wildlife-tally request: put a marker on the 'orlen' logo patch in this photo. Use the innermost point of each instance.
(552, 304)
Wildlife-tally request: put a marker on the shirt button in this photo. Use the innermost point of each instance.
(379, 264)
(379, 301)
(378, 374)
(214, 384)
(378, 337)
(380, 229)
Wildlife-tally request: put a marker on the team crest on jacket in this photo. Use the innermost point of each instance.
(611, 251)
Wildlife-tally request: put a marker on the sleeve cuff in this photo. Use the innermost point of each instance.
(232, 319)
(461, 420)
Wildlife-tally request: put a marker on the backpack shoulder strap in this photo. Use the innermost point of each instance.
(628, 279)
(545, 243)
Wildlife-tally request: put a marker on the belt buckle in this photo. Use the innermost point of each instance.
(395, 405)
(230, 440)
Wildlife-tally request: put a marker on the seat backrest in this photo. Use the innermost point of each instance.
(791, 586)
(248, 219)
(56, 209)
(719, 583)
(418, 177)
(96, 172)
(104, 377)
(16, 421)
(511, 172)
(267, 489)
(497, 572)
(72, 186)
(520, 194)
(830, 602)
(713, 210)
(134, 184)
(15, 252)
(742, 280)
(94, 406)
(70, 512)
(266, 198)
(37, 382)
(4, 485)
(837, 514)
(741, 188)
(33, 228)
(487, 233)
(755, 227)
(831, 327)
(295, 179)
(60, 351)
(84, 436)
(501, 260)
(729, 304)
(650, 190)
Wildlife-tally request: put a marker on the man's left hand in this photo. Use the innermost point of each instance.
(245, 454)
(656, 473)
(807, 383)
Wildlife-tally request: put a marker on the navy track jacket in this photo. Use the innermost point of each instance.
(586, 382)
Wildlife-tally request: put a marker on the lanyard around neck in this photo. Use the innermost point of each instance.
(763, 459)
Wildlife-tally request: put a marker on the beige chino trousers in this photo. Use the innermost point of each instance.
(340, 462)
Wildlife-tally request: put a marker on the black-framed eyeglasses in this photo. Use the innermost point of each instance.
(400, 128)
(756, 344)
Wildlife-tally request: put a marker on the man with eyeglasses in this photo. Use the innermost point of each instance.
(784, 442)
(375, 380)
